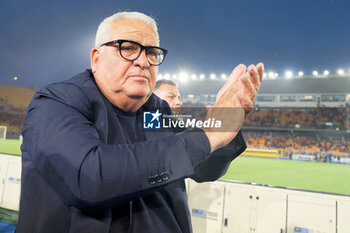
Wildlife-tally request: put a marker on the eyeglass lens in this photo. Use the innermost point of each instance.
(131, 51)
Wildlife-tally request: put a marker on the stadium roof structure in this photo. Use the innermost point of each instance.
(304, 85)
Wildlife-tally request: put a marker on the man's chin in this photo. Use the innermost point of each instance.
(139, 93)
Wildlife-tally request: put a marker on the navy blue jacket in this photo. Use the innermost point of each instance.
(79, 174)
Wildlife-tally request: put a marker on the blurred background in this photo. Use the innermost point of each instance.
(301, 113)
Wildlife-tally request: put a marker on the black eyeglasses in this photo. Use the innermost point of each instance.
(131, 50)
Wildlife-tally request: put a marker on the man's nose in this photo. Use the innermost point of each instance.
(142, 60)
(178, 102)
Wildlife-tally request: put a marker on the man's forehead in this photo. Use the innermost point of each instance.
(175, 93)
(136, 30)
(171, 89)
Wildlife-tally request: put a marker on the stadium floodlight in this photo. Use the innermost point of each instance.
(314, 73)
(190, 96)
(167, 76)
(160, 76)
(193, 77)
(340, 72)
(212, 76)
(276, 75)
(271, 74)
(183, 77)
(223, 76)
(201, 77)
(289, 74)
(264, 75)
(326, 72)
(174, 76)
(300, 73)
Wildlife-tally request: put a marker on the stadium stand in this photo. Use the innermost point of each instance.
(15, 98)
(13, 121)
(13, 102)
(304, 143)
(316, 118)
(308, 115)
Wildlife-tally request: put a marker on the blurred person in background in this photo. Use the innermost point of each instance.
(168, 91)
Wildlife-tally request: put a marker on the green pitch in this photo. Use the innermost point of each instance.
(10, 146)
(324, 177)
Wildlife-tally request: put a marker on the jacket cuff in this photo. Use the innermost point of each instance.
(237, 145)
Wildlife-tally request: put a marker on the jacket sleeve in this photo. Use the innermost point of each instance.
(219, 160)
(66, 150)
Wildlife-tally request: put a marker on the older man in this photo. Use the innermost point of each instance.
(88, 165)
(168, 91)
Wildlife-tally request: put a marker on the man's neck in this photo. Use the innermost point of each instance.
(127, 103)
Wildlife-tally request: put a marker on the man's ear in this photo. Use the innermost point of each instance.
(94, 56)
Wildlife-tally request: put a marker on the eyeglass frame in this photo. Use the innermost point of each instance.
(119, 42)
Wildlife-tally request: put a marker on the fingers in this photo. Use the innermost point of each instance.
(248, 82)
(236, 73)
(256, 73)
(261, 69)
(245, 102)
(249, 88)
(254, 76)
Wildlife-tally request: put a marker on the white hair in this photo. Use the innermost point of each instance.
(104, 29)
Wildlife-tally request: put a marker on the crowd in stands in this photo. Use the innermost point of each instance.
(13, 121)
(3, 101)
(299, 118)
(265, 118)
(306, 118)
(290, 140)
(3, 104)
(304, 143)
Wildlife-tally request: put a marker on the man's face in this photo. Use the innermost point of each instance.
(121, 80)
(170, 94)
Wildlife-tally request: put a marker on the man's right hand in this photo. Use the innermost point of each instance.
(234, 101)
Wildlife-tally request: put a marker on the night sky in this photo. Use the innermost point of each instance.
(47, 41)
